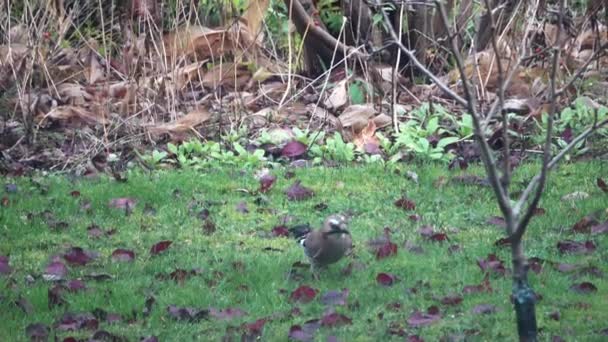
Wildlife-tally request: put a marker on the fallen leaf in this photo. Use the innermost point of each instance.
(421, 319)
(584, 225)
(297, 192)
(483, 287)
(123, 203)
(37, 332)
(5, 268)
(160, 247)
(584, 288)
(332, 298)
(492, 263)
(601, 228)
(303, 294)
(266, 182)
(405, 203)
(335, 320)
(293, 149)
(187, 313)
(366, 140)
(123, 255)
(280, 231)
(77, 321)
(386, 279)
(73, 116)
(55, 271)
(387, 249)
(484, 309)
(78, 256)
(451, 300)
(357, 117)
(575, 247)
(602, 185)
(55, 296)
(182, 126)
(338, 96)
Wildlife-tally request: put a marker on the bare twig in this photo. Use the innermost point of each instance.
(410, 54)
(540, 185)
(501, 103)
(488, 160)
(556, 159)
(394, 76)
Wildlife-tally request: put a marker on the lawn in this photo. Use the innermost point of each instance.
(238, 276)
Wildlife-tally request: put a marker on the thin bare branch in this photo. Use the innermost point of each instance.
(540, 184)
(579, 72)
(506, 172)
(488, 160)
(558, 157)
(494, 109)
(410, 54)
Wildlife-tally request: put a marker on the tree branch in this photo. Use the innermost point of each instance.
(410, 54)
(488, 160)
(558, 157)
(522, 223)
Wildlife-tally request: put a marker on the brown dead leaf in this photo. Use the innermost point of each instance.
(254, 15)
(13, 53)
(357, 116)
(366, 139)
(73, 93)
(194, 41)
(187, 74)
(73, 116)
(382, 120)
(338, 97)
(94, 71)
(182, 125)
(229, 75)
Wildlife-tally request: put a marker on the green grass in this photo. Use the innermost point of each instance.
(259, 284)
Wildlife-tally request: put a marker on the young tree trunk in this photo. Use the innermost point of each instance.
(524, 298)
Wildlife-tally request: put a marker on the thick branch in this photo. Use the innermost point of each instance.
(303, 22)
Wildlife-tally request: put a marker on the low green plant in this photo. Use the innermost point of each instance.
(414, 137)
(334, 149)
(197, 155)
(307, 137)
(576, 119)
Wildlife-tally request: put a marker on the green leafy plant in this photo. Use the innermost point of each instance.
(576, 119)
(197, 155)
(331, 14)
(414, 135)
(335, 149)
(306, 137)
(356, 92)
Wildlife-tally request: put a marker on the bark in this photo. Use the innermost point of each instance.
(319, 45)
(500, 20)
(524, 298)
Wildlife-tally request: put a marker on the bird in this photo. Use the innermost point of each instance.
(326, 245)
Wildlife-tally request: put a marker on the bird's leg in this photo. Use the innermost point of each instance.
(314, 270)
